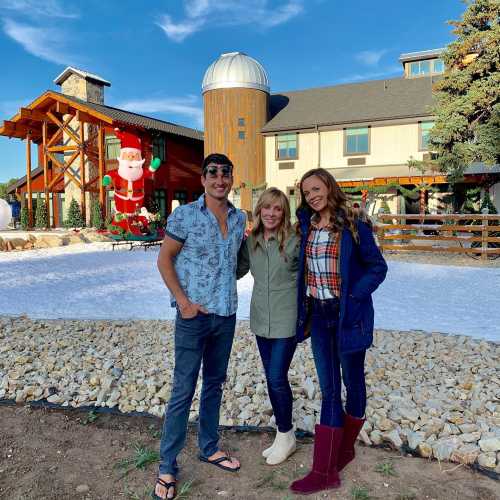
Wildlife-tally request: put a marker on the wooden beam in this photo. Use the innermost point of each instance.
(45, 172)
(82, 172)
(28, 181)
(58, 149)
(62, 108)
(58, 134)
(64, 169)
(102, 168)
(32, 114)
(66, 128)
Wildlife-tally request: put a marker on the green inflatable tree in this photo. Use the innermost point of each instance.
(41, 215)
(75, 218)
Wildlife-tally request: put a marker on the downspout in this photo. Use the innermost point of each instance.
(319, 145)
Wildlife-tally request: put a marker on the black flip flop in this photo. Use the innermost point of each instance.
(218, 463)
(163, 483)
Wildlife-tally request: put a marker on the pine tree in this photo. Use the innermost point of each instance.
(467, 127)
(487, 203)
(41, 215)
(96, 219)
(75, 218)
(25, 222)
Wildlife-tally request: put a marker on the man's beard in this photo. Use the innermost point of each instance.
(125, 170)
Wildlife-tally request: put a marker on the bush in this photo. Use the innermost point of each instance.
(25, 220)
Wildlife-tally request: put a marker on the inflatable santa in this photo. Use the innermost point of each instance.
(128, 183)
(128, 178)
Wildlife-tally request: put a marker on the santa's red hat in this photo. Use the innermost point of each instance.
(128, 140)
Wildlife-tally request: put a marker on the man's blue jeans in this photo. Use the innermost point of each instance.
(329, 361)
(276, 357)
(207, 338)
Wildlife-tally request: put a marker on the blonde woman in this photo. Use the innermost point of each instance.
(271, 254)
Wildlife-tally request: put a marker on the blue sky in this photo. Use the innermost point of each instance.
(155, 53)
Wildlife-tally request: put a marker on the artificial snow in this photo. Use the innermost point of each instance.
(89, 281)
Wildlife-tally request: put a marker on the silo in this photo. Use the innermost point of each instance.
(236, 102)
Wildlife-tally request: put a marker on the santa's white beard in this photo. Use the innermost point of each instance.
(130, 169)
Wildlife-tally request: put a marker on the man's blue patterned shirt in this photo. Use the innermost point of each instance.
(206, 264)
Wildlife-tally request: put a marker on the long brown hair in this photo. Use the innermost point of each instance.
(269, 196)
(341, 214)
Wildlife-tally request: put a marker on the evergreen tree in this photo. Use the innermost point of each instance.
(96, 219)
(487, 203)
(75, 218)
(41, 215)
(24, 218)
(467, 110)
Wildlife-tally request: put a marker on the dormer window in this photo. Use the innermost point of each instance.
(425, 67)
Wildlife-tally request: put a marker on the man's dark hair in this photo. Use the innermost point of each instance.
(218, 159)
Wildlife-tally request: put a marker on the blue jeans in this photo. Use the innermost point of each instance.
(207, 338)
(328, 361)
(276, 357)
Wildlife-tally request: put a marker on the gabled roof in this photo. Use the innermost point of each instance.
(98, 112)
(121, 115)
(91, 77)
(351, 103)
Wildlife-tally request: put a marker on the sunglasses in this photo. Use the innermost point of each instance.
(225, 170)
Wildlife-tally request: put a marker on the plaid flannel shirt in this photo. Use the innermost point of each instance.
(323, 262)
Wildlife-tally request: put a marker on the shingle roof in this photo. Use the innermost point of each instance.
(351, 103)
(84, 74)
(139, 120)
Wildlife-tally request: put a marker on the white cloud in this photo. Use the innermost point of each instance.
(201, 13)
(44, 42)
(185, 106)
(36, 8)
(370, 57)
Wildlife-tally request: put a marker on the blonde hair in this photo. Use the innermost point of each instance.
(269, 196)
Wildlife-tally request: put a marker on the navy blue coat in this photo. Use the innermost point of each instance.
(362, 269)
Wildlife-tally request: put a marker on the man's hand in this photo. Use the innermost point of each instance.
(189, 310)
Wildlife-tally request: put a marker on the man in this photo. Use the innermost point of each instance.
(198, 261)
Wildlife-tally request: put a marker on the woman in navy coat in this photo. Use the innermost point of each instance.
(340, 266)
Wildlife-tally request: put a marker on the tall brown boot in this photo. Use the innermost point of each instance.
(324, 475)
(352, 427)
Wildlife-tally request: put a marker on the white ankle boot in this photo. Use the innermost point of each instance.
(268, 451)
(284, 445)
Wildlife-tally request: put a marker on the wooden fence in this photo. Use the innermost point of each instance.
(475, 235)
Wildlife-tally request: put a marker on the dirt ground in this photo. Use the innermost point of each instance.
(56, 455)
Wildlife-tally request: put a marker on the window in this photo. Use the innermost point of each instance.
(159, 147)
(112, 145)
(425, 128)
(286, 146)
(160, 198)
(438, 66)
(241, 134)
(181, 197)
(426, 67)
(241, 122)
(356, 141)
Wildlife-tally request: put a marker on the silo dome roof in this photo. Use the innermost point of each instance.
(235, 69)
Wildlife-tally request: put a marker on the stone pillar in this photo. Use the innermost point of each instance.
(76, 85)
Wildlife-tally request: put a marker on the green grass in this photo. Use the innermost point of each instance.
(154, 432)
(359, 493)
(90, 418)
(185, 490)
(140, 459)
(385, 468)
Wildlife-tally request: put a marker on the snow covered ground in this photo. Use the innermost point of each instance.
(91, 282)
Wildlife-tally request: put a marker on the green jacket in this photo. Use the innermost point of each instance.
(273, 309)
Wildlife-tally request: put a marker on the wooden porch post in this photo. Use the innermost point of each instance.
(102, 192)
(45, 172)
(82, 173)
(28, 181)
